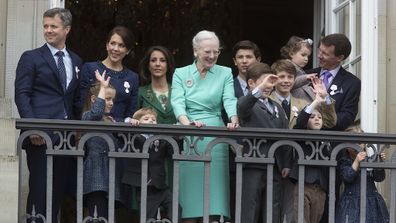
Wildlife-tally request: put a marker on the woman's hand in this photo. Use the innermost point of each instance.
(199, 124)
(234, 124)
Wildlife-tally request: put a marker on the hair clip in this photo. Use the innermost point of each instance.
(309, 41)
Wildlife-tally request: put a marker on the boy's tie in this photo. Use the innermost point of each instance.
(286, 107)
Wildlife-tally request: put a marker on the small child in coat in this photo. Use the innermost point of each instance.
(158, 193)
(348, 209)
(96, 163)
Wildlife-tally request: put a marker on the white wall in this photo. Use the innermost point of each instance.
(21, 23)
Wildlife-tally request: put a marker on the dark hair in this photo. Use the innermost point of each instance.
(341, 43)
(293, 45)
(64, 14)
(284, 65)
(246, 45)
(144, 111)
(257, 69)
(126, 36)
(145, 75)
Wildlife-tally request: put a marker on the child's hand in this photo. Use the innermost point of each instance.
(318, 87)
(311, 76)
(360, 156)
(134, 122)
(382, 156)
(268, 82)
(102, 78)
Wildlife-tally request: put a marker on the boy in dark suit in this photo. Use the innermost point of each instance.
(158, 193)
(257, 110)
(46, 87)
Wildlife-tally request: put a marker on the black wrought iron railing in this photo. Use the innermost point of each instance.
(319, 141)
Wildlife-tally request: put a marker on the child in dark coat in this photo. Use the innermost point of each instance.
(158, 193)
(348, 209)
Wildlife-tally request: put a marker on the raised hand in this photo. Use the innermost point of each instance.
(269, 81)
(104, 82)
(318, 87)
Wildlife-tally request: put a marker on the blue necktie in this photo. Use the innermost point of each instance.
(326, 77)
(61, 69)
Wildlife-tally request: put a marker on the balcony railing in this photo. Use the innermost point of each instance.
(319, 141)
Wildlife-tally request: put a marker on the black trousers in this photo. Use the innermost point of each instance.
(254, 191)
(159, 198)
(62, 174)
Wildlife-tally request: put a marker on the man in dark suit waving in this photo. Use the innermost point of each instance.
(46, 86)
(342, 86)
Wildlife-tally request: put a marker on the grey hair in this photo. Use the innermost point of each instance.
(203, 35)
(64, 14)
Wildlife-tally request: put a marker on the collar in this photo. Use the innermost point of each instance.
(333, 72)
(281, 98)
(195, 68)
(242, 82)
(55, 50)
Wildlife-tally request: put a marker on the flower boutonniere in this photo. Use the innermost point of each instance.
(276, 112)
(127, 86)
(295, 111)
(77, 71)
(334, 90)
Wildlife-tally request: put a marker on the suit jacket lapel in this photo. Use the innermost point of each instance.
(237, 88)
(46, 52)
(74, 69)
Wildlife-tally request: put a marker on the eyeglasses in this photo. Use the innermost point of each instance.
(210, 52)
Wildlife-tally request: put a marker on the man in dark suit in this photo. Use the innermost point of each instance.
(46, 86)
(342, 86)
(257, 110)
(244, 53)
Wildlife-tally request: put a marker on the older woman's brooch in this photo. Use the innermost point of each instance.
(189, 83)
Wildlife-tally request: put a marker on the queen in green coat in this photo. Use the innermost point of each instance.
(198, 93)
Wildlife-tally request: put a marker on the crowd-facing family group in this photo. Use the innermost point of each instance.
(52, 83)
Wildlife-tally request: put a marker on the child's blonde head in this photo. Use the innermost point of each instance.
(93, 91)
(144, 111)
(355, 127)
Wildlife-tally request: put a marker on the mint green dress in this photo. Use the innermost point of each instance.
(202, 100)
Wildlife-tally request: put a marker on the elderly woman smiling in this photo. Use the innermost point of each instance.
(198, 92)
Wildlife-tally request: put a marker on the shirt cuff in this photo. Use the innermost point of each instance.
(257, 92)
(328, 100)
(309, 109)
(127, 119)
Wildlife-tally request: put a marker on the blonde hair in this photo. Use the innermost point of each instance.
(355, 127)
(144, 111)
(93, 90)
